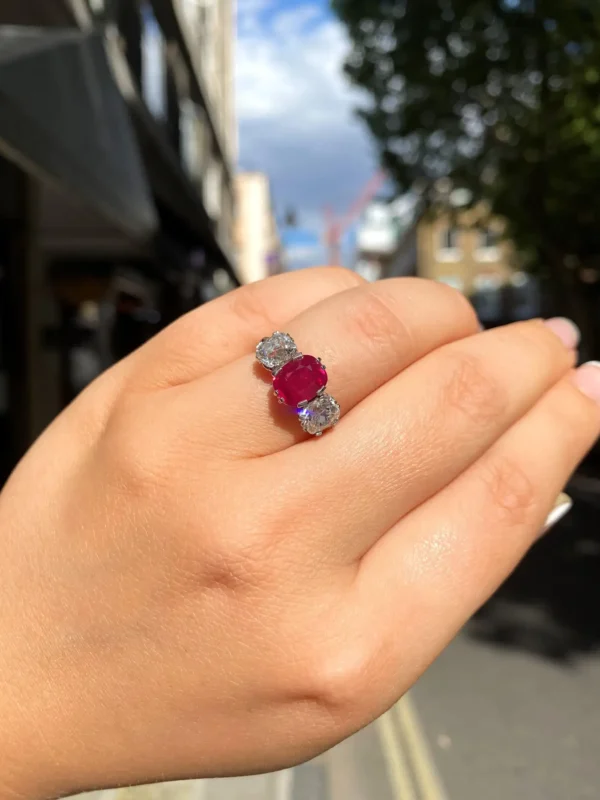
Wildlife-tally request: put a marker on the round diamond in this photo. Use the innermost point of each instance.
(276, 350)
(324, 412)
(300, 380)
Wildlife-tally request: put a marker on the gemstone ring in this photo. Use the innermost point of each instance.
(299, 381)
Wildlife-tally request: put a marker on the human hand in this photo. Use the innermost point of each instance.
(191, 586)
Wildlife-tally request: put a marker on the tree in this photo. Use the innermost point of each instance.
(503, 98)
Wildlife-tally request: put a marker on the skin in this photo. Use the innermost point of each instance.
(190, 586)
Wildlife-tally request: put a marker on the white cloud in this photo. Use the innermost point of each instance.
(296, 108)
(289, 70)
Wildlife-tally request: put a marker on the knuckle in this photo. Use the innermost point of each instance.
(451, 295)
(374, 320)
(336, 682)
(463, 305)
(133, 460)
(342, 278)
(511, 492)
(130, 471)
(233, 561)
(442, 293)
(473, 391)
(248, 304)
(535, 335)
(573, 416)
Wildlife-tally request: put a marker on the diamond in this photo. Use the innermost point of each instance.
(324, 412)
(300, 381)
(276, 350)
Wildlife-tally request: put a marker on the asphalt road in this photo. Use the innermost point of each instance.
(512, 708)
(507, 725)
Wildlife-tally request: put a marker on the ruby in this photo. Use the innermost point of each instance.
(300, 381)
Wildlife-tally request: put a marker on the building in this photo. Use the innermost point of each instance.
(458, 252)
(117, 145)
(257, 239)
(461, 248)
(382, 227)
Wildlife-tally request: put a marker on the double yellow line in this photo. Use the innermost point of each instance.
(412, 772)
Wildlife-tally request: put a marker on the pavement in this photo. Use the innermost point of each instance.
(507, 725)
(512, 707)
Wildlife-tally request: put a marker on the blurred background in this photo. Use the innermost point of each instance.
(155, 154)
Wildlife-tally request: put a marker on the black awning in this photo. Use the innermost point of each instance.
(63, 116)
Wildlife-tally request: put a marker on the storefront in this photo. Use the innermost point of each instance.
(103, 238)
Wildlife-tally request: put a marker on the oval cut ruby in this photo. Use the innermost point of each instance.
(299, 381)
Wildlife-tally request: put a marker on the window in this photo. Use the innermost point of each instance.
(488, 238)
(487, 246)
(98, 7)
(525, 297)
(154, 84)
(449, 245)
(487, 298)
(449, 239)
(213, 188)
(487, 283)
(189, 137)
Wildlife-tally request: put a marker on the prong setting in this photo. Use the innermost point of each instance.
(299, 381)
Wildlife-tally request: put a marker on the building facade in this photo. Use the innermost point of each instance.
(117, 146)
(380, 231)
(462, 248)
(456, 251)
(257, 239)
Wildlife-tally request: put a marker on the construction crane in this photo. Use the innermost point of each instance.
(336, 228)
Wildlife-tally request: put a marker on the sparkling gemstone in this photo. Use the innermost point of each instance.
(319, 415)
(276, 350)
(300, 380)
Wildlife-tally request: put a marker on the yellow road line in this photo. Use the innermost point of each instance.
(397, 765)
(418, 752)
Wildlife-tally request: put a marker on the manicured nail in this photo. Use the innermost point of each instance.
(587, 379)
(561, 508)
(566, 330)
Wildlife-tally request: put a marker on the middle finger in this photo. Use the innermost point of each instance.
(416, 434)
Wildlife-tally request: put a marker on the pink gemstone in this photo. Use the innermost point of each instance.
(299, 381)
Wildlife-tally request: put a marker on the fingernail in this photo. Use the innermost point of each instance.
(566, 330)
(561, 508)
(587, 379)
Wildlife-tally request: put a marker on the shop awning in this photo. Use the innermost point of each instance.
(62, 117)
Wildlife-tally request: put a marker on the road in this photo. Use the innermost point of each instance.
(511, 711)
(512, 708)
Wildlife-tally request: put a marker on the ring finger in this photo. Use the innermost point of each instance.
(365, 337)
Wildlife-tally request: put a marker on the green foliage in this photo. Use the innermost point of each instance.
(502, 96)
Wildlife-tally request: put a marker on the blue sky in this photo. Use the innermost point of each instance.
(295, 113)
